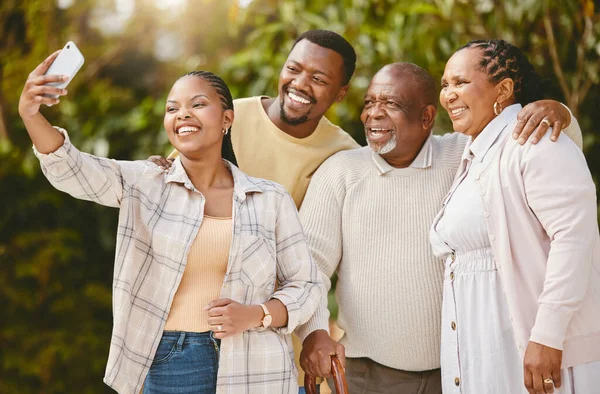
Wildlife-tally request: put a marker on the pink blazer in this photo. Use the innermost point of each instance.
(543, 228)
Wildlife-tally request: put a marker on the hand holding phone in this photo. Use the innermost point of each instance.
(49, 79)
(68, 62)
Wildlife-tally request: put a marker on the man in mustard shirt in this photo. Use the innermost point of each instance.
(287, 137)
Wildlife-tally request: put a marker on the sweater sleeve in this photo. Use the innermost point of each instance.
(561, 193)
(321, 216)
(573, 131)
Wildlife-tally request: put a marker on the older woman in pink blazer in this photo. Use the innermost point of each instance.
(519, 234)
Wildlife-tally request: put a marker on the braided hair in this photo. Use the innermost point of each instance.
(500, 59)
(226, 103)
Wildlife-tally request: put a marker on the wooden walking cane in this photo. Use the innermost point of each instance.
(339, 378)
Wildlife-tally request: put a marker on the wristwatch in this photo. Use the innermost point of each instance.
(266, 321)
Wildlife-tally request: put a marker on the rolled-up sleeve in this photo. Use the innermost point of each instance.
(89, 177)
(300, 282)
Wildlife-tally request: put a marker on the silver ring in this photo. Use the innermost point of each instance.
(220, 328)
(546, 122)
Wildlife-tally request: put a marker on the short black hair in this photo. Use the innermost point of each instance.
(335, 42)
(500, 59)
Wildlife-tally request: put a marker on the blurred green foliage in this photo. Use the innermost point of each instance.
(56, 252)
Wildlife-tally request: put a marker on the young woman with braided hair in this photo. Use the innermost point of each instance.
(199, 249)
(519, 234)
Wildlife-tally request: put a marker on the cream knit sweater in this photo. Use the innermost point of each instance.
(372, 229)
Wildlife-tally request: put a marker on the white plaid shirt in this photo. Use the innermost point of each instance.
(160, 214)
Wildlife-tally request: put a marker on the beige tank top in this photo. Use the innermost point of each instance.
(203, 276)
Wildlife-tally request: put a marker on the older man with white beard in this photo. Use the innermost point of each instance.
(366, 215)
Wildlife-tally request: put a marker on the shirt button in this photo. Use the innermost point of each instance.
(451, 275)
(493, 237)
(457, 381)
(453, 325)
(486, 215)
(482, 192)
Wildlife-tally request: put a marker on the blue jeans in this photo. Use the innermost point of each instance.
(302, 390)
(185, 362)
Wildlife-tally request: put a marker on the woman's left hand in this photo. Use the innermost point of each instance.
(535, 119)
(227, 317)
(541, 363)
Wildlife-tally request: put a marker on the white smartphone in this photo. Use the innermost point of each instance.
(68, 62)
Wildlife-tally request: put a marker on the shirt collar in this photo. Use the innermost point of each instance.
(242, 183)
(423, 159)
(486, 139)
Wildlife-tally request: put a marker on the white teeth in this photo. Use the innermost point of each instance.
(458, 110)
(187, 129)
(298, 98)
(377, 132)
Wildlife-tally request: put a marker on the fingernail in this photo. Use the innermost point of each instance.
(534, 140)
(64, 91)
(521, 141)
(553, 138)
(516, 135)
(207, 307)
(65, 78)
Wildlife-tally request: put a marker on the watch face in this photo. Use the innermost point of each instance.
(267, 321)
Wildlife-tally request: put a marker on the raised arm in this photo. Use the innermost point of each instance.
(45, 137)
(83, 176)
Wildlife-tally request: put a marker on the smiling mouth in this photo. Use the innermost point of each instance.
(377, 134)
(297, 99)
(456, 112)
(185, 130)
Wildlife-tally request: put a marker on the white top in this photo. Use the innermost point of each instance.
(463, 221)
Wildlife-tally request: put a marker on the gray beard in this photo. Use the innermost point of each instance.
(385, 148)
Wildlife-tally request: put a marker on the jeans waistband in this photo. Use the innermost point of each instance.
(183, 337)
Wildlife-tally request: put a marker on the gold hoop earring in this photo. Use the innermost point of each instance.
(496, 110)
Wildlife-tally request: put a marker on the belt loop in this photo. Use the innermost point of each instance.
(214, 340)
(180, 341)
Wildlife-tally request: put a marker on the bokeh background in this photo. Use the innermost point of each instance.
(56, 253)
